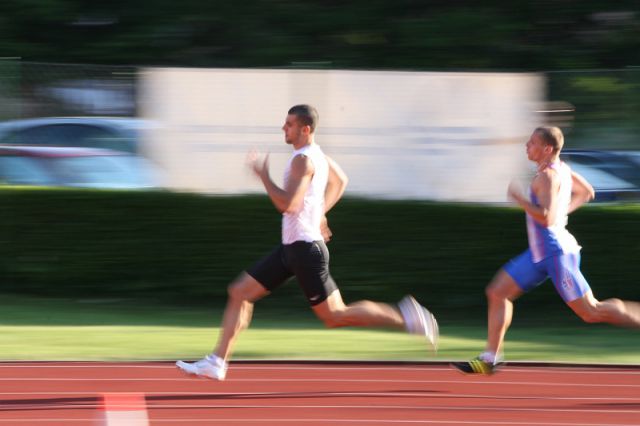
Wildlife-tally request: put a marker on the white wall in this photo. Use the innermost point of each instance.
(443, 136)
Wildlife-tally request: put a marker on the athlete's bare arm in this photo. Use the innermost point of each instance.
(336, 184)
(290, 198)
(581, 191)
(545, 186)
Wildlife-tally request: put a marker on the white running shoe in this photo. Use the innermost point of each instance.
(419, 320)
(211, 366)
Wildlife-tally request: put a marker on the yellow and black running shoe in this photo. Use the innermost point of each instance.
(476, 366)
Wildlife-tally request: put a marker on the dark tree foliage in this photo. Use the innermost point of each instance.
(357, 34)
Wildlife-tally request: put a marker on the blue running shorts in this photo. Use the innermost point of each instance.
(563, 269)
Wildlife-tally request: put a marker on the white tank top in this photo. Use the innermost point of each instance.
(304, 225)
(555, 239)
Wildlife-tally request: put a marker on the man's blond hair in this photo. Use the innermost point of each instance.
(551, 136)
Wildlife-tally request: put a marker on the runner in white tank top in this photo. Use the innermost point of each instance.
(313, 184)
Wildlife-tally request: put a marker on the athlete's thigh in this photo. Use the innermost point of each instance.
(584, 306)
(330, 306)
(526, 274)
(504, 286)
(567, 278)
(310, 264)
(271, 271)
(246, 287)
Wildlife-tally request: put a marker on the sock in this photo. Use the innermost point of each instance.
(216, 360)
(489, 357)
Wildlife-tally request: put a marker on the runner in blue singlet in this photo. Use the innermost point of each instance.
(553, 252)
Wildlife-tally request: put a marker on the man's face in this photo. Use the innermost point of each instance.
(294, 131)
(536, 148)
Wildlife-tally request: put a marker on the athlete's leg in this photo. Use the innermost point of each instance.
(518, 275)
(243, 293)
(576, 292)
(501, 292)
(365, 313)
(618, 312)
(310, 263)
(258, 281)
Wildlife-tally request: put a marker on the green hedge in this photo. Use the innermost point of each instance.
(186, 248)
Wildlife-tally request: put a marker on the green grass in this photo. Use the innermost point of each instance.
(63, 329)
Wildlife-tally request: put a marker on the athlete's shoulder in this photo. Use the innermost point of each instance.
(553, 170)
(545, 180)
(545, 175)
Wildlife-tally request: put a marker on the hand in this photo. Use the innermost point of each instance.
(325, 230)
(515, 192)
(260, 167)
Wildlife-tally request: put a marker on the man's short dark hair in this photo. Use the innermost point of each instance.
(307, 115)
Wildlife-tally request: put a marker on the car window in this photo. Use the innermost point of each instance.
(600, 179)
(620, 166)
(117, 171)
(635, 157)
(24, 171)
(581, 159)
(69, 134)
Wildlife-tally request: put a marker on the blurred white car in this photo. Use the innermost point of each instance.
(121, 134)
(615, 176)
(75, 167)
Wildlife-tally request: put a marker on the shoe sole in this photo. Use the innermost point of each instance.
(191, 374)
(419, 311)
(496, 368)
(461, 371)
(425, 320)
(436, 332)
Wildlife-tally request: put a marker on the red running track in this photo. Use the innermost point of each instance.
(319, 394)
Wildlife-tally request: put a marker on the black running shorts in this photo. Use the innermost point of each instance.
(308, 262)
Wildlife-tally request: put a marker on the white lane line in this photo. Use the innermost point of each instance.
(500, 409)
(400, 407)
(414, 408)
(319, 380)
(378, 421)
(150, 396)
(431, 408)
(606, 369)
(333, 421)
